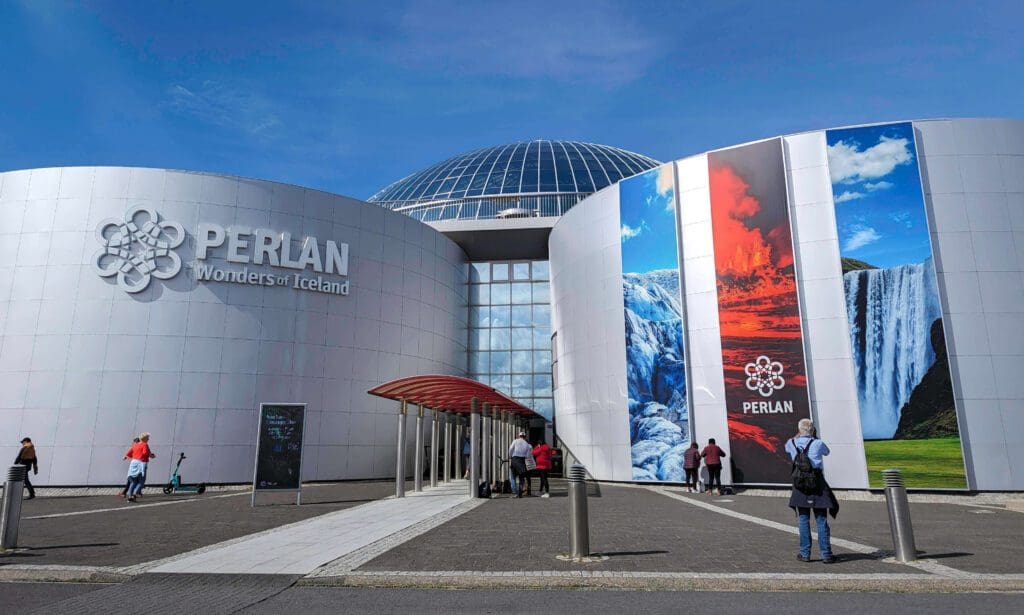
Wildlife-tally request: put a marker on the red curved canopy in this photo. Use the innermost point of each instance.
(448, 393)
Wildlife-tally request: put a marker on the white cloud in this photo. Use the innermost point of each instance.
(902, 217)
(859, 237)
(230, 106)
(883, 185)
(600, 43)
(849, 164)
(629, 232)
(849, 196)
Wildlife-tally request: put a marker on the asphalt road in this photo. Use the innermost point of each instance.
(18, 598)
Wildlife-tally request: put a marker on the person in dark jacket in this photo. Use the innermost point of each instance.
(820, 499)
(27, 457)
(691, 463)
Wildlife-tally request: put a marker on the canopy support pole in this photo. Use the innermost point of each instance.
(474, 450)
(486, 446)
(447, 447)
(433, 448)
(418, 464)
(400, 457)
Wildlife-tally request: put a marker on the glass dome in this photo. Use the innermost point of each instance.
(522, 179)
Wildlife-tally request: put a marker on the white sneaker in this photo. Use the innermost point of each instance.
(546, 495)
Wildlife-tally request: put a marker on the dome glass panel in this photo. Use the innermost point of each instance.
(521, 179)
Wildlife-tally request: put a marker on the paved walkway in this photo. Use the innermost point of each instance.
(301, 548)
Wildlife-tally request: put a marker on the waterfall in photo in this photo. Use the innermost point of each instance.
(891, 312)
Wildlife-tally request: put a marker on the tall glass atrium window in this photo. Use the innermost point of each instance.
(510, 330)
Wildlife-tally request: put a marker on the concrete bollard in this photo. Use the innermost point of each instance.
(899, 515)
(11, 515)
(579, 521)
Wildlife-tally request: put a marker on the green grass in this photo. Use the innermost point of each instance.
(936, 463)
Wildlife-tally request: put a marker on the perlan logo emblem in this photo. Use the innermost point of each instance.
(764, 376)
(138, 249)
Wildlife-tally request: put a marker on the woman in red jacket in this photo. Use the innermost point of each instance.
(542, 455)
(712, 455)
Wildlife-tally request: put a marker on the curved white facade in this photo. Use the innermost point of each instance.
(85, 365)
(972, 177)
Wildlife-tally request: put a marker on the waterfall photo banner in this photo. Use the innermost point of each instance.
(904, 390)
(655, 368)
(758, 310)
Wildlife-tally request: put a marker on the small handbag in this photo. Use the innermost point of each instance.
(531, 463)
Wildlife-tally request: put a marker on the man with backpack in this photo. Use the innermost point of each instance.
(811, 491)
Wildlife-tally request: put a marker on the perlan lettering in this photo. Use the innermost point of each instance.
(767, 407)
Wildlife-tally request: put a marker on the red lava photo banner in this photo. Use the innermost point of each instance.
(758, 311)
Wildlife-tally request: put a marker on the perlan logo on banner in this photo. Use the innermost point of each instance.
(141, 247)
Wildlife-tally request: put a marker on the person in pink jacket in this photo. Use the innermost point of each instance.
(542, 455)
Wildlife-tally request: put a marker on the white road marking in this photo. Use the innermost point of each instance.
(135, 506)
(925, 565)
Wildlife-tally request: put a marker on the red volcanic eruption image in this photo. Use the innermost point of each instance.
(758, 309)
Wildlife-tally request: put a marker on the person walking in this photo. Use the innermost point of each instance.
(27, 457)
(517, 453)
(140, 452)
(811, 491)
(466, 449)
(136, 472)
(691, 464)
(128, 483)
(542, 456)
(712, 455)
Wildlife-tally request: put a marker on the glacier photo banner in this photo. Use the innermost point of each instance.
(655, 369)
(904, 391)
(758, 309)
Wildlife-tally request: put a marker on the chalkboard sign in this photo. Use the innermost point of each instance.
(279, 448)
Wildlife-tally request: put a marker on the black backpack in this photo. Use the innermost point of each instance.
(484, 490)
(805, 478)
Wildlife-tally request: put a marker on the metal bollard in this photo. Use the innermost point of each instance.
(899, 515)
(12, 507)
(579, 522)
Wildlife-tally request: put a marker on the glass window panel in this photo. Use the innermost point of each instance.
(540, 270)
(500, 272)
(479, 339)
(500, 294)
(500, 363)
(482, 378)
(480, 272)
(521, 316)
(501, 339)
(521, 271)
(502, 383)
(542, 386)
(500, 316)
(479, 294)
(480, 316)
(542, 337)
(522, 339)
(541, 292)
(521, 292)
(478, 362)
(522, 362)
(542, 315)
(521, 386)
(541, 360)
(544, 407)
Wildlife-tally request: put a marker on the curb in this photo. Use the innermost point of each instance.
(681, 582)
(62, 575)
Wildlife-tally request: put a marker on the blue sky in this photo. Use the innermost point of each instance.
(648, 221)
(877, 190)
(348, 97)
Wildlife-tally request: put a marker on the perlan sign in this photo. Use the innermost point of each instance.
(142, 247)
(259, 247)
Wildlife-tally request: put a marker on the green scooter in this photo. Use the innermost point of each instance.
(175, 486)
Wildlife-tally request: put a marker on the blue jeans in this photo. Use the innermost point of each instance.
(134, 485)
(824, 538)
